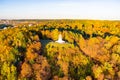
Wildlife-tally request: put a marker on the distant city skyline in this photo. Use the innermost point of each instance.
(60, 9)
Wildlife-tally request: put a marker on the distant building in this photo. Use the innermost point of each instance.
(60, 39)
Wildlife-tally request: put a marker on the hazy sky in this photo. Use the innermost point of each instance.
(57, 9)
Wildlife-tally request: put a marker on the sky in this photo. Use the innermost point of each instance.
(60, 9)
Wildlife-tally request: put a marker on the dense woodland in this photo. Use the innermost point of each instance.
(91, 51)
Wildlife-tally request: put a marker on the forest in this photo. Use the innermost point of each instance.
(91, 50)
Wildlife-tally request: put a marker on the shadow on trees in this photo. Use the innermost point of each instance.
(69, 28)
(75, 31)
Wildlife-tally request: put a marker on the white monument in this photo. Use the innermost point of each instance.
(60, 39)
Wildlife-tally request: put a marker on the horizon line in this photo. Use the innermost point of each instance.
(59, 19)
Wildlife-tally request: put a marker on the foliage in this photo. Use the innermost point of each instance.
(91, 51)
